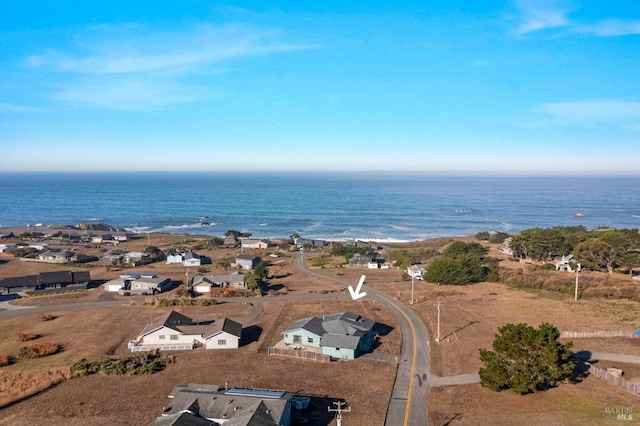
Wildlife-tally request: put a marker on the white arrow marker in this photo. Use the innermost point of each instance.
(355, 295)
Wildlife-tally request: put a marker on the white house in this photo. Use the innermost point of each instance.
(246, 261)
(224, 334)
(138, 283)
(3, 247)
(106, 238)
(174, 258)
(174, 331)
(133, 256)
(255, 244)
(39, 246)
(120, 237)
(415, 271)
(204, 283)
(187, 259)
(192, 259)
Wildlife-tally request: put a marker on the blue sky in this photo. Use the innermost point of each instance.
(439, 86)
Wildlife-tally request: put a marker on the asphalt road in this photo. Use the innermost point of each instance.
(408, 404)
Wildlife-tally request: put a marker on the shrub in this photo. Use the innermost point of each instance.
(25, 336)
(38, 350)
(4, 359)
(142, 363)
(46, 316)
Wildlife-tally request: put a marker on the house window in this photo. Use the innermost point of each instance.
(297, 339)
(161, 337)
(309, 339)
(222, 342)
(174, 337)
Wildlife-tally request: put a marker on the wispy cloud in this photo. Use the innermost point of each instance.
(133, 67)
(625, 114)
(610, 28)
(536, 16)
(128, 94)
(145, 50)
(541, 15)
(11, 108)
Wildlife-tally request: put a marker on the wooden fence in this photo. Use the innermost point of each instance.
(300, 354)
(606, 333)
(625, 384)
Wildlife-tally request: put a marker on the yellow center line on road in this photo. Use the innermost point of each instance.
(413, 363)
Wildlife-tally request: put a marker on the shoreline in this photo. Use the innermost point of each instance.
(74, 230)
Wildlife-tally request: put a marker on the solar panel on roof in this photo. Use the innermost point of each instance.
(259, 393)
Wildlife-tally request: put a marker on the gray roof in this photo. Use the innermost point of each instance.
(340, 341)
(183, 324)
(236, 277)
(191, 255)
(181, 419)
(341, 330)
(246, 408)
(347, 323)
(312, 325)
(247, 257)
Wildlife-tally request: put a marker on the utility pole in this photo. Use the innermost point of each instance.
(412, 279)
(339, 410)
(438, 305)
(577, 277)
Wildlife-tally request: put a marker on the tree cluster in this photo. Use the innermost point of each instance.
(598, 250)
(461, 264)
(492, 237)
(525, 359)
(338, 249)
(401, 259)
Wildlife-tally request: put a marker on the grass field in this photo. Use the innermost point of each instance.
(470, 316)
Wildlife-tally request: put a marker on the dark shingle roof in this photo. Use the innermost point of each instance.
(28, 281)
(58, 277)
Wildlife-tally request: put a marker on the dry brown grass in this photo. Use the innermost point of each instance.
(586, 403)
(25, 336)
(46, 316)
(470, 317)
(474, 313)
(17, 385)
(38, 350)
(365, 384)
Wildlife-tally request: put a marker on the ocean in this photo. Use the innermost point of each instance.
(369, 206)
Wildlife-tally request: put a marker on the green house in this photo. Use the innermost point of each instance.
(344, 335)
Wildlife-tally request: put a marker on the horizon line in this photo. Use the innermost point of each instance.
(530, 173)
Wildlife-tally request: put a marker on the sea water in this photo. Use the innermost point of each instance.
(377, 206)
